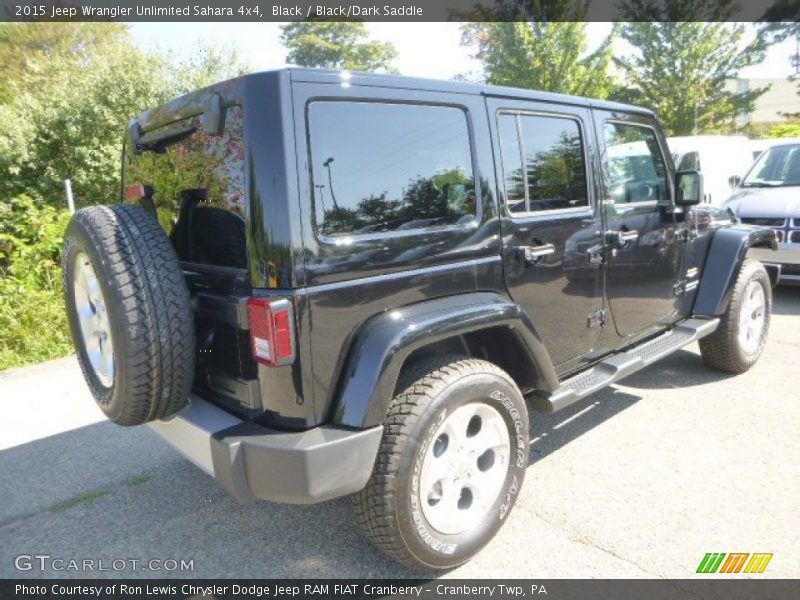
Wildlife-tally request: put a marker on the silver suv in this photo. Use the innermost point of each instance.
(769, 196)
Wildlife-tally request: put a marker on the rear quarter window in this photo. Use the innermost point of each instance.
(389, 167)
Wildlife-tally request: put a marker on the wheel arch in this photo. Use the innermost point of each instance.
(726, 255)
(484, 325)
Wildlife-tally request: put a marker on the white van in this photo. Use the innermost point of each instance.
(717, 157)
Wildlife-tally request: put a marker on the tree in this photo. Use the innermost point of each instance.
(548, 53)
(789, 128)
(66, 111)
(684, 56)
(782, 21)
(25, 48)
(336, 45)
(206, 64)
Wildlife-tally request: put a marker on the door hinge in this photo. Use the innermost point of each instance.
(596, 318)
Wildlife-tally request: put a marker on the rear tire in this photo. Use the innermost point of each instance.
(129, 313)
(739, 340)
(450, 465)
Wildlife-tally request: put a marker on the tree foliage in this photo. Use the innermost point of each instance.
(790, 128)
(549, 52)
(681, 63)
(336, 45)
(67, 93)
(65, 108)
(33, 323)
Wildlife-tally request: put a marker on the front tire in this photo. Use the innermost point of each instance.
(450, 465)
(739, 340)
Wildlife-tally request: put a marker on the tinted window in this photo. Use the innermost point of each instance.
(551, 156)
(512, 164)
(199, 192)
(389, 167)
(635, 168)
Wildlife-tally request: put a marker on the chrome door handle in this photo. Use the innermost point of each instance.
(534, 253)
(620, 238)
(596, 254)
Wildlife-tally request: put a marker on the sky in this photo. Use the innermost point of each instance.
(425, 49)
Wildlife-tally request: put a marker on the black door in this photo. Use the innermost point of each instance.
(645, 253)
(552, 237)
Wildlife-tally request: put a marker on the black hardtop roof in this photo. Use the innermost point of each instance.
(192, 103)
(451, 86)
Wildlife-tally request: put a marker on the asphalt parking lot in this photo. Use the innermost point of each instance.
(639, 480)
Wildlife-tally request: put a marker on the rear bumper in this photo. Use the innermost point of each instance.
(253, 462)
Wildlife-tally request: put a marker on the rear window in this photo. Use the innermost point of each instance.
(381, 167)
(199, 191)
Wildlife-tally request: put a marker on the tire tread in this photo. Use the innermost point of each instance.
(145, 277)
(374, 506)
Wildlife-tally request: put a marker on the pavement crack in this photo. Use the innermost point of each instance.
(583, 539)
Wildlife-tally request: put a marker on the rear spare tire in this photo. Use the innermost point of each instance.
(129, 313)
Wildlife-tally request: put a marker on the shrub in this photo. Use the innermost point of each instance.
(33, 323)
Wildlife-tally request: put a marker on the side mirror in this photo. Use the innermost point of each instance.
(734, 181)
(689, 186)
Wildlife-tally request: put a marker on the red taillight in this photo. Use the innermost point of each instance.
(271, 331)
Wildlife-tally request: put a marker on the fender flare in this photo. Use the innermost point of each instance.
(384, 342)
(724, 260)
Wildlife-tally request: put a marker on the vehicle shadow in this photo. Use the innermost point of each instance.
(105, 492)
(681, 369)
(550, 432)
(786, 300)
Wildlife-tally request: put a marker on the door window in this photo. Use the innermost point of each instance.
(635, 168)
(544, 167)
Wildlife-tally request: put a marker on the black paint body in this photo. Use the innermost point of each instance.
(366, 304)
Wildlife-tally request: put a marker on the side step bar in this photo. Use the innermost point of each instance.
(622, 364)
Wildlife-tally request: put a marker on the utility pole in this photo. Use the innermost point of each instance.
(320, 187)
(70, 199)
(327, 164)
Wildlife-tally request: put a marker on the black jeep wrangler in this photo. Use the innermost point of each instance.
(324, 283)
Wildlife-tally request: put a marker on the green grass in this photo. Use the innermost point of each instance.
(86, 499)
(139, 480)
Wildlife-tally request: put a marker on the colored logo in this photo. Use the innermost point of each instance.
(741, 562)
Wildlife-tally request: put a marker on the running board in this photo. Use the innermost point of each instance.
(622, 364)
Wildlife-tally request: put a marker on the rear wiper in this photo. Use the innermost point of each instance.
(157, 141)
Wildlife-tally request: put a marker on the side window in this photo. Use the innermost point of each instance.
(379, 167)
(513, 170)
(544, 166)
(635, 168)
